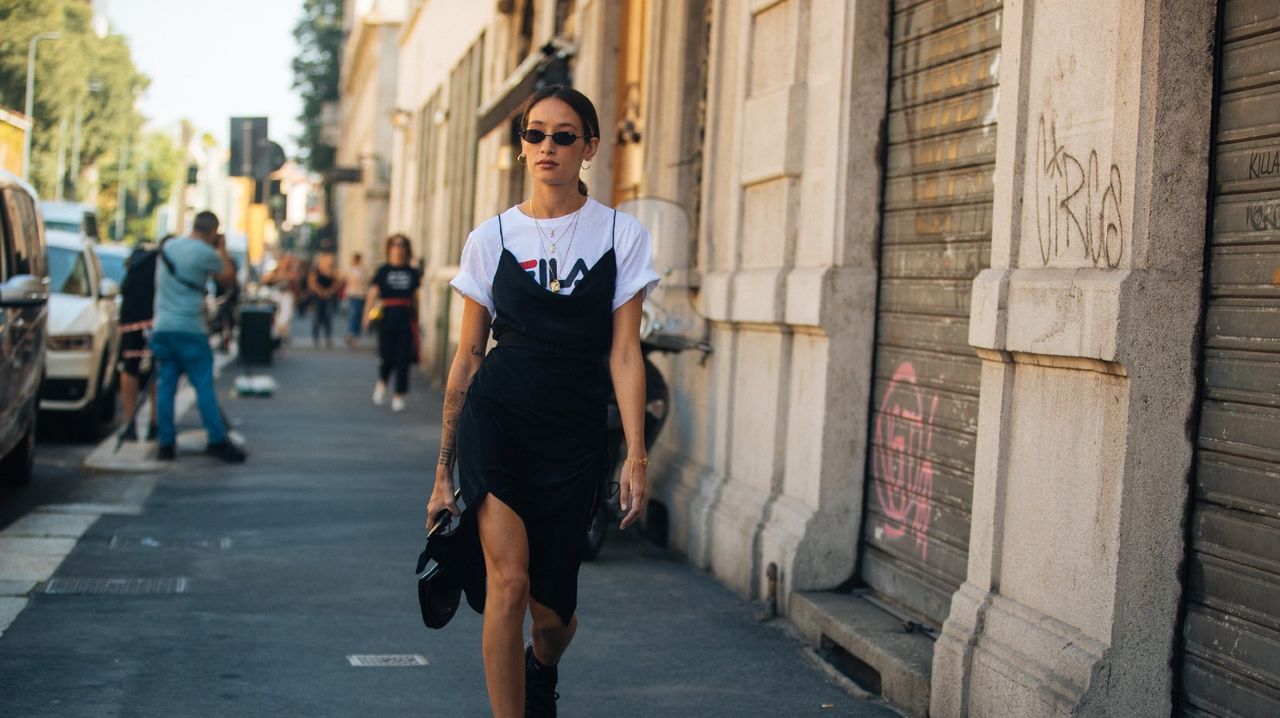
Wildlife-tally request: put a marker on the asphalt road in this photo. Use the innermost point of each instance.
(243, 590)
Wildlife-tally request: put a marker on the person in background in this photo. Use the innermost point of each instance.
(301, 292)
(227, 300)
(281, 280)
(137, 306)
(395, 285)
(323, 285)
(356, 282)
(179, 342)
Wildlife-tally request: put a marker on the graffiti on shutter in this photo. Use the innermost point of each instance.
(936, 238)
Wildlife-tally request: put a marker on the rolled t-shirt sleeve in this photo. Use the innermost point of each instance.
(635, 264)
(476, 270)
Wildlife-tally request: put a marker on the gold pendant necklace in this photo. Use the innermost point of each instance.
(571, 222)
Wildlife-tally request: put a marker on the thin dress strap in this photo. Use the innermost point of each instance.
(501, 239)
(613, 231)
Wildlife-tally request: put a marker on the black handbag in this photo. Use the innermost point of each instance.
(451, 563)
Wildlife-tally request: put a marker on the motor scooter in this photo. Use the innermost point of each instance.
(667, 326)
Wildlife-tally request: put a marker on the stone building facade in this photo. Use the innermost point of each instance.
(367, 87)
(991, 291)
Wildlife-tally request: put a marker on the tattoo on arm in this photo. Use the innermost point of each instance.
(453, 401)
(446, 456)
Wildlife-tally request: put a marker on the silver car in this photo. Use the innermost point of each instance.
(24, 311)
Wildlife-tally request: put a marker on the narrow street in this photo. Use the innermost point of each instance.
(244, 589)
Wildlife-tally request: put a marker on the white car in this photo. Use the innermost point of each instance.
(69, 217)
(84, 331)
(113, 257)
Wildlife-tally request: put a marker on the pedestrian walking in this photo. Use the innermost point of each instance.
(356, 284)
(179, 342)
(559, 280)
(137, 307)
(282, 280)
(393, 297)
(323, 285)
(301, 292)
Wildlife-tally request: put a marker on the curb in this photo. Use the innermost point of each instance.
(34, 546)
(136, 457)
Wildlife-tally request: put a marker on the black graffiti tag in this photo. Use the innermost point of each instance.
(1264, 164)
(1264, 216)
(1072, 204)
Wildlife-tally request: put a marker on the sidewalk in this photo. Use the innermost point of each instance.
(247, 589)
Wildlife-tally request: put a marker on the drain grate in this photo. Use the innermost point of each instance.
(388, 661)
(134, 542)
(116, 586)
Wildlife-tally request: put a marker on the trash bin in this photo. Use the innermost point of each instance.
(255, 333)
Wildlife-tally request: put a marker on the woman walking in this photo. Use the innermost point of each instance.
(396, 285)
(281, 279)
(356, 283)
(322, 282)
(559, 279)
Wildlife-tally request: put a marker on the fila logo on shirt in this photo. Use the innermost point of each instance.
(543, 276)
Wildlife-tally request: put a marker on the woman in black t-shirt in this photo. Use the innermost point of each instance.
(322, 283)
(396, 285)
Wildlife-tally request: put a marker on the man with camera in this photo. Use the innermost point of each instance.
(179, 342)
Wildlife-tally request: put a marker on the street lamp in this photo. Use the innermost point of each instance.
(31, 98)
(93, 86)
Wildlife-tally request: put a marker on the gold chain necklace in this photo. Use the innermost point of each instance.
(571, 217)
(572, 223)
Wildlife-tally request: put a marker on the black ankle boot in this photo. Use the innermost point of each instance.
(539, 687)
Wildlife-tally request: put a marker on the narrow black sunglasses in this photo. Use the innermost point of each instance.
(564, 139)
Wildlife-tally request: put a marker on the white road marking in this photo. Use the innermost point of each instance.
(401, 660)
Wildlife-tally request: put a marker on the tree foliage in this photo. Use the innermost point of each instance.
(315, 75)
(155, 166)
(66, 70)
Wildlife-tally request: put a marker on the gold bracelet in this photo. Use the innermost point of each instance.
(643, 461)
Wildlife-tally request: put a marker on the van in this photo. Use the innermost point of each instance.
(24, 315)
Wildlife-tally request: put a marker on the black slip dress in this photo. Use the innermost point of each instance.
(533, 429)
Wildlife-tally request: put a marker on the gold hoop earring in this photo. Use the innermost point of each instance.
(520, 158)
(586, 164)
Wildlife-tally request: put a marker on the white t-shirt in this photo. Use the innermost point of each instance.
(633, 249)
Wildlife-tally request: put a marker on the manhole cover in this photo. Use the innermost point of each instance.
(116, 586)
(388, 661)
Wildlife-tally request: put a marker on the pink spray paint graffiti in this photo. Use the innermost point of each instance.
(903, 436)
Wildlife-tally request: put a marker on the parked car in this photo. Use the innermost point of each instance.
(74, 217)
(24, 311)
(84, 331)
(112, 257)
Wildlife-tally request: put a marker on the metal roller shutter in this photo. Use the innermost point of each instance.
(1231, 634)
(936, 238)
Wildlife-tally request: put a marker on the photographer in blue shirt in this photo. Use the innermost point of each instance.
(179, 342)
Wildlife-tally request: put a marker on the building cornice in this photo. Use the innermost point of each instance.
(355, 50)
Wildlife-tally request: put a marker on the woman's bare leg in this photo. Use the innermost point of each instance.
(550, 636)
(129, 390)
(506, 558)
